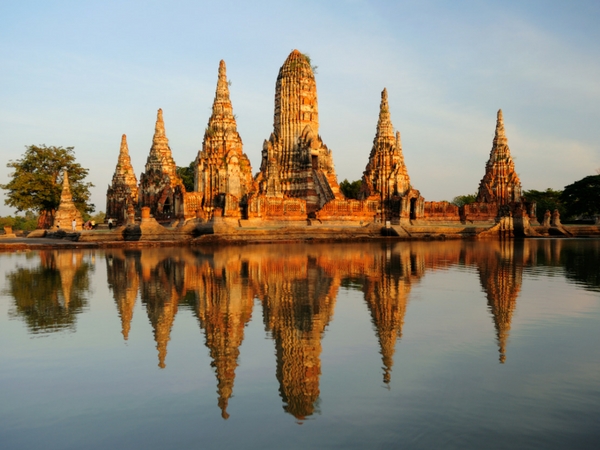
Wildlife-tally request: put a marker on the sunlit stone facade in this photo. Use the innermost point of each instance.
(223, 175)
(161, 189)
(123, 191)
(295, 161)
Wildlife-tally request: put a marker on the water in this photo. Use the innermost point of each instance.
(366, 345)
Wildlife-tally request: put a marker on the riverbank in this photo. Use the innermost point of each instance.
(150, 233)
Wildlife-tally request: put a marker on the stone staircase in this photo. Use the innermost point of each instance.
(322, 187)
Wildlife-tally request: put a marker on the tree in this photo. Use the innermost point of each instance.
(461, 200)
(351, 189)
(582, 197)
(187, 176)
(547, 200)
(36, 182)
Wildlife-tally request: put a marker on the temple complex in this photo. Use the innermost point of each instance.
(296, 185)
(161, 189)
(123, 191)
(67, 211)
(223, 174)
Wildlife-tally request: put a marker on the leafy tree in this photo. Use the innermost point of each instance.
(547, 200)
(187, 176)
(582, 197)
(351, 189)
(37, 178)
(461, 200)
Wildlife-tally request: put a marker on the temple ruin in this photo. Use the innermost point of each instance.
(67, 211)
(296, 183)
(123, 190)
(222, 171)
(161, 189)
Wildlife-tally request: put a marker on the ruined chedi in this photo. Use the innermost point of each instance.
(222, 173)
(123, 191)
(386, 177)
(295, 162)
(67, 211)
(161, 189)
(500, 184)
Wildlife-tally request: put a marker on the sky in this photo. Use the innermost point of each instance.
(81, 74)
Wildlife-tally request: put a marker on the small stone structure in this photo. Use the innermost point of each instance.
(67, 211)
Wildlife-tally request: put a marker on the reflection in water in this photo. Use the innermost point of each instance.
(298, 298)
(297, 286)
(501, 276)
(123, 281)
(48, 297)
(223, 305)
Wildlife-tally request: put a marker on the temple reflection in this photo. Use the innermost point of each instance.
(387, 288)
(223, 305)
(501, 275)
(297, 287)
(124, 282)
(49, 297)
(298, 297)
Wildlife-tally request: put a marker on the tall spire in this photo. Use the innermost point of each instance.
(222, 118)
(295, 100)
(65, 195)
(160, 157)
(386, 175)
(385, 129)
(159, 128)
(500, 184)
(500, 136)
(124, 174)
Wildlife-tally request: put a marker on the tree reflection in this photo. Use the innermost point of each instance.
(49, 297)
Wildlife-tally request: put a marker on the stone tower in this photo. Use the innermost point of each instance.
(161, 189)
(385, 175)
(223, 174)
(67, 211)
(385, 178)
(123, 190)
(500, 184)
(295, 162)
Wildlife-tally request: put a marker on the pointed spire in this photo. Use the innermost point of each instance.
(500, 136)
(385, 129)
(222, 84)
(222, 118)
(159, 129)
(65, 195)
(124, 150)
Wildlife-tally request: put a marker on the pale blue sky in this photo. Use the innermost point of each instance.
(82, 73)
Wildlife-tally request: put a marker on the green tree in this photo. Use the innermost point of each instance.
(547, 200)
(36, 182)
(187, 176)
(582, 197)
(351, 189)
(461, 200)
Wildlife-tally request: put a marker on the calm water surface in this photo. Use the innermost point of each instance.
(397, 345)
